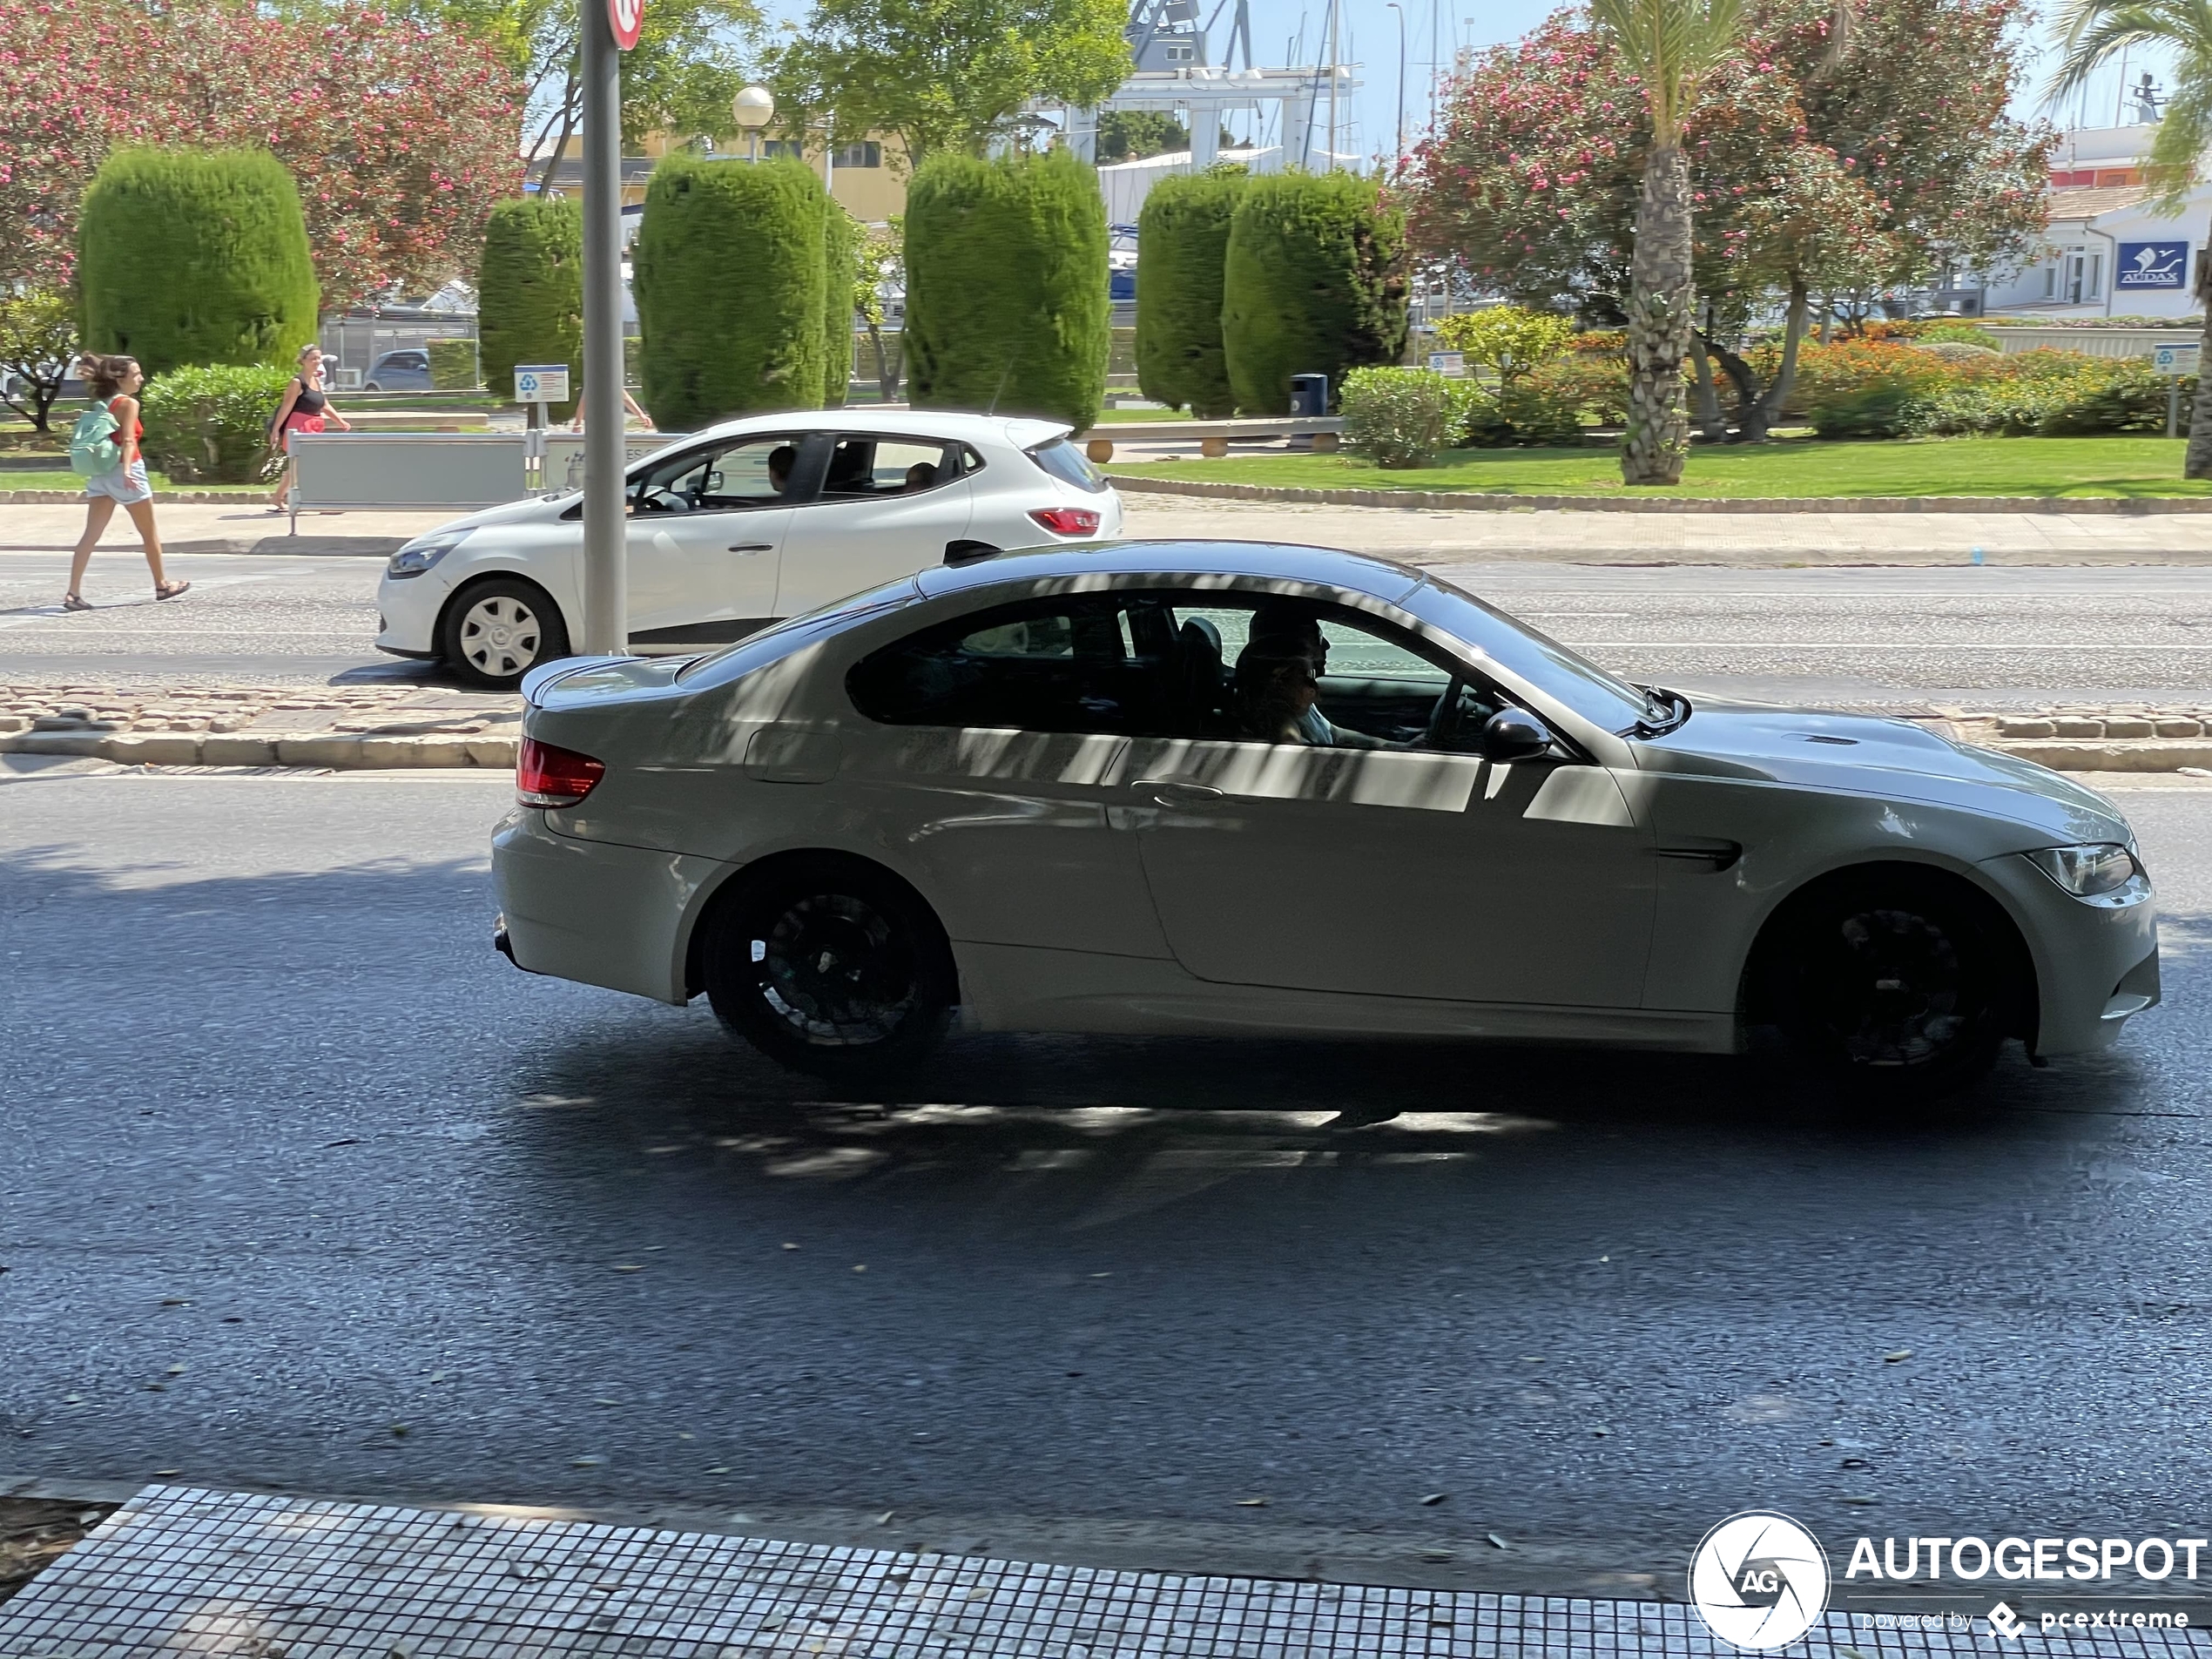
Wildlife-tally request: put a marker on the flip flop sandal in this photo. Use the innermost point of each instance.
(74, 602)
(169, 593)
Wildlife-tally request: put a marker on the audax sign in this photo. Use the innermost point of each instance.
(2153, 265)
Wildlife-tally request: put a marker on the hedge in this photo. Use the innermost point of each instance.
(191, 257)
(1182, 255)
(1315, 283)
(210, 425)
(1007, 306)
(529, 294)
(453, 365)
(729, 280)
(840, 267)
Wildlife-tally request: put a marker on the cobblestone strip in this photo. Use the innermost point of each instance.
(178, 1571)
(347, 728)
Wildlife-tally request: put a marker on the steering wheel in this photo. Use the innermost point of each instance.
(1444, 716)
(658, 498)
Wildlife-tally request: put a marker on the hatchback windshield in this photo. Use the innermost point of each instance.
(1069, 465)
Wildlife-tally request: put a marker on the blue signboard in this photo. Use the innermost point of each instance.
(2153, 265)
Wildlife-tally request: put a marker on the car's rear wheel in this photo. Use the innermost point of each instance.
(831, 965)
(496, 629)
(1896, 988)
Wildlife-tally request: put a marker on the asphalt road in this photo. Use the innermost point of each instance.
(306, 1189)
(1994, 636)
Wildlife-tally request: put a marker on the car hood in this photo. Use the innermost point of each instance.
(508, 512)
(1871, 755)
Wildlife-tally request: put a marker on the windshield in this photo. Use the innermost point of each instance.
(1069, 465)
(778, 640)
(1603, 699)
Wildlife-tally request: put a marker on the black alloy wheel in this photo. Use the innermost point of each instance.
(834, 967)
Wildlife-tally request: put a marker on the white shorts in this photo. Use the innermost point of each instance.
(125, 484)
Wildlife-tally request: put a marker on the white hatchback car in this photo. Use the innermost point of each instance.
(1224, 788)
(733, 528)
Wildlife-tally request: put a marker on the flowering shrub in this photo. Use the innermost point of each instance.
(2092, 394)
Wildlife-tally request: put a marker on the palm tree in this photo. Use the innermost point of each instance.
(2093, 32)
(1669, 43)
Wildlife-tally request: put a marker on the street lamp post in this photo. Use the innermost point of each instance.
(753, 109)
(606, 598)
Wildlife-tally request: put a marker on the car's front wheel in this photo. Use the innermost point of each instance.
(1896, 988)
(496, 629)
(831, 965)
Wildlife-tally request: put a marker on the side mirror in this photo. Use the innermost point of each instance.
(1513, 734)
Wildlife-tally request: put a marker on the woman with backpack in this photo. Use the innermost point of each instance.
(305, 408)
(105, 448)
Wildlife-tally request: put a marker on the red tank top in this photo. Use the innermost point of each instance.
(139, 436)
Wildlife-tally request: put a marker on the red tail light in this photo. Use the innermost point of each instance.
(1068, 521)
(547, 776)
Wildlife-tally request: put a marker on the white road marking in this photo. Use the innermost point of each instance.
(1829, 644)
(201, 584)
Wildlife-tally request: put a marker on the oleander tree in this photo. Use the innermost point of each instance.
(400, 134)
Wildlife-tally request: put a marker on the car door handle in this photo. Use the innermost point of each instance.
(754, 547)
(1170, 792)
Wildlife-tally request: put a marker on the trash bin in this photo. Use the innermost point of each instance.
(1309, 394)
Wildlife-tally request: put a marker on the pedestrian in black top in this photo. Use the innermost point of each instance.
(305, 408)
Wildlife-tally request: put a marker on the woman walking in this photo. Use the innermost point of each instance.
(115, 382)
(305, 408)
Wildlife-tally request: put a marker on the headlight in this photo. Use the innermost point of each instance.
(2103, 871)
(422, 552)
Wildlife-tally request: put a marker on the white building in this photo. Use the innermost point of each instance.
(2104, 253)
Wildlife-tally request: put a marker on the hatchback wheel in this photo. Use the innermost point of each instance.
(832, 966)
(1897, 989)
(497, 629)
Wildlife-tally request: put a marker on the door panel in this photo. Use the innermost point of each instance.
(1398, 872)
(888, 506)
(702, 578)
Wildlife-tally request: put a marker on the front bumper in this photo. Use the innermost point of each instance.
(2095, 967)
(407, 614)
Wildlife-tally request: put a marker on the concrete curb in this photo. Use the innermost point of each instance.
(340, 752)
(1473, 502)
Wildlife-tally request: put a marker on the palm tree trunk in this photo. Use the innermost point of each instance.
(2198, 461)
(1660, 303)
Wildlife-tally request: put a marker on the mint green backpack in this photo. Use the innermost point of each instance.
(93, 446)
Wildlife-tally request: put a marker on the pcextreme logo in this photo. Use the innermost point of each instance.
(1759, 1580)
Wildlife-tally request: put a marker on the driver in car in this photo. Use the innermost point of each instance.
(1277, 682)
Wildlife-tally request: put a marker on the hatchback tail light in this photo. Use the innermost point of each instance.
(546, 775)
(1068, 521)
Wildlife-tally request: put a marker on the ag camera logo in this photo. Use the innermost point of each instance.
(1759, 1580)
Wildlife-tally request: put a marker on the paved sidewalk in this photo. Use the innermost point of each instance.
(176, 1570)
(1750, 540)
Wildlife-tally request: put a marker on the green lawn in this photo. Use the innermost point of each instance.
(2114, 466)
(1108, 417)
(74, 482)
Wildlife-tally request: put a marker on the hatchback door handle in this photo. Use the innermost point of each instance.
(1170, 792)
(754, 547)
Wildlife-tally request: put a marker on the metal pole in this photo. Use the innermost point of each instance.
(606, 598)
(2173, 406)
(1401, 10)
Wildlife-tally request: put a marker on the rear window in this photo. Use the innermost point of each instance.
(1069, 465)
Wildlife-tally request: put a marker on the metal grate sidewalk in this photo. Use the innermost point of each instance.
(180, 1571)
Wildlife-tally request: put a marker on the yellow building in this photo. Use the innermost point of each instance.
(861, 175)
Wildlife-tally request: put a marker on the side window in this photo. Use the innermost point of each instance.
(1079, 665)
(1298, 671)
(866, 467)
(727, 477)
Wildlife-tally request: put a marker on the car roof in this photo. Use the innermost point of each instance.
(1328, 567)
(1021, 431)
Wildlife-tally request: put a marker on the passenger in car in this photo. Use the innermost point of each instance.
(921, 476)
(781, 460)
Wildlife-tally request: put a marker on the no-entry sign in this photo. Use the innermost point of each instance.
(626, 18)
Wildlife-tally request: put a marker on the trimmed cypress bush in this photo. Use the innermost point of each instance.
(1182, 253)
(453, 365)
(1006, 305)
(1314, 283)
(841, 266)
(194, 257)
(729, 279)
(529, 294)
